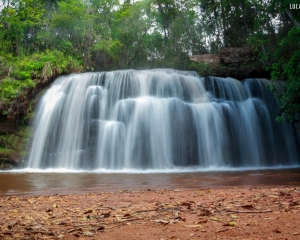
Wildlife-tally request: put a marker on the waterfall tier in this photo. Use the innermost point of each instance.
(159, 119)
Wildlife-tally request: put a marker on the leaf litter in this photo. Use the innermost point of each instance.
(203, 213)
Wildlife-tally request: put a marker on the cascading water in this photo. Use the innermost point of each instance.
(159, 119)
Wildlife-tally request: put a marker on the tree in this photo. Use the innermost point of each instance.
(19, 23)
(279, 47)
(66, 28)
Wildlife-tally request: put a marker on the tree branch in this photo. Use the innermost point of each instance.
(288, 12)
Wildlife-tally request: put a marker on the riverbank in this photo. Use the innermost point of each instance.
(242, 213)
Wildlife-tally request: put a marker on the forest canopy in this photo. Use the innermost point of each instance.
(40, 39)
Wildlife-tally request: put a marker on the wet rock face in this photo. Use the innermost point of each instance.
(236, 62)
(12, 138)
(227, 56)
(206, 58)
(236, 56)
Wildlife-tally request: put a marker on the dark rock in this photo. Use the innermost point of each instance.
(238, 63)
(236, 56)
(206, 58)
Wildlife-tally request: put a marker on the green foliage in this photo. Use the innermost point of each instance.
(4, 112)
(111, 47)
(203, 69)
(18, 23)
(287, 68)
(12, 143)
(278, 46)
(11, 88)
(24, 73)
(42, 39)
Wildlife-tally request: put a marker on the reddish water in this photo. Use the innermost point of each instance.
(66, 183)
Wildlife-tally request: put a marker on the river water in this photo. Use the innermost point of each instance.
(45, 183)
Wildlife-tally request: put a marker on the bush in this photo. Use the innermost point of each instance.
(24, 73)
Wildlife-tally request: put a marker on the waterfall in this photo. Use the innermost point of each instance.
(159, 119)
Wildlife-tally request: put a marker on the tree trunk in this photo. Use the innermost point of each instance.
(288, 12)
(265, 53)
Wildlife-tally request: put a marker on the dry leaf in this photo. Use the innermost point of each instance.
(223, 230)
(174, 238)
(161, 221)
(248, 206)
(37, 227)
(87, 233)
(88, 211)
(106, 215)
(201, 221)
(193, 226)
(231, 224)
(215, 219)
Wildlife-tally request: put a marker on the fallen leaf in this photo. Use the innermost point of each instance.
(215, 219)
(88, 211)
(129, 219)
(201, 221)
(175, 238)
(193, 226)
(62, 223)
(231, 224)
(233, 216)
(205, 212)
(248, 206)
(106, 215)
(11, 224)
(17, 235)
(36, 227)
(161, 221)
(87, 233)
(186, 204)
(272, 196)
(223, 230)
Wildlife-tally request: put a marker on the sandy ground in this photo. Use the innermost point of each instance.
(227, 213)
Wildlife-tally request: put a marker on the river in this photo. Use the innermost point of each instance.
(46, 183)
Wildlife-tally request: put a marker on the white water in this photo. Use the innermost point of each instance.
(159, 120)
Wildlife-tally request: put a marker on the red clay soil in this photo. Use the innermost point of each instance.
(228, 213)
